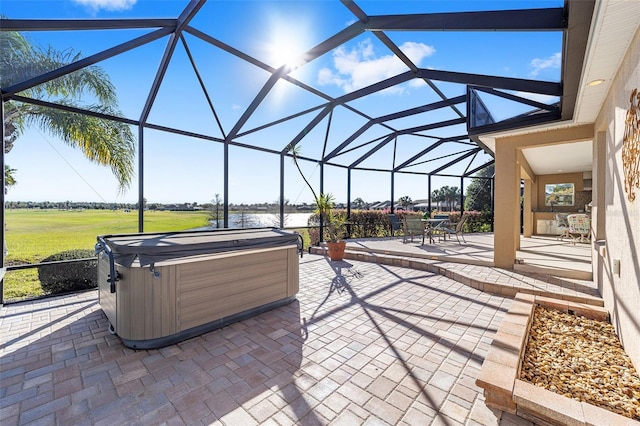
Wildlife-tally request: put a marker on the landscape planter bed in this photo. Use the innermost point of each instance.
(499, 376)
(159, 289)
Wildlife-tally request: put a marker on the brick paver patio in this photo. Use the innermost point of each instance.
(363, 344)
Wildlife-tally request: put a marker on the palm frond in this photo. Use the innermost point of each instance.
(92, 80)
(105, 142)
(13, 123)
(20, 61)
(9, 177)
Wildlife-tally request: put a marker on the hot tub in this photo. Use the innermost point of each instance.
(158, 289)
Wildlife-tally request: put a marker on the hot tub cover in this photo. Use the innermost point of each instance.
(157, 247)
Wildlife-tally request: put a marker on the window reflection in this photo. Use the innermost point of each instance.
(559, 194)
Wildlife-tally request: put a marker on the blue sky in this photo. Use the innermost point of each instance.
(183, 169)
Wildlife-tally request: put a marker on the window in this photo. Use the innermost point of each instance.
(559, 194)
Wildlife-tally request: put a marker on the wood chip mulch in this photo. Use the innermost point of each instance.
(582, 359)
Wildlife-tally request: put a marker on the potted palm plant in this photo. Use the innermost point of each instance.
(333, 226)
(333, 223)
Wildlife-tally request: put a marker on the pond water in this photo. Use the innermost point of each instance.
(265, 219)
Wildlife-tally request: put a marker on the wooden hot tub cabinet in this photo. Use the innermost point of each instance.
(170, 287)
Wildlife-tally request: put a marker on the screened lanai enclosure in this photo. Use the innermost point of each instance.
(377, 95)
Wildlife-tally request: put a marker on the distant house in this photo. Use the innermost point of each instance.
(423, 207)
(381, 205)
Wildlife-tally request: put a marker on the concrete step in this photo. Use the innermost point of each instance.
(492, 280)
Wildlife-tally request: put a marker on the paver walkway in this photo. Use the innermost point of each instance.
(363, 344)
(538, 252)
(486, 278)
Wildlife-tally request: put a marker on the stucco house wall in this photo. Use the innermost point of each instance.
(620, 229)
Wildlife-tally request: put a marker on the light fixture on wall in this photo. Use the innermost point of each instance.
(595, 82)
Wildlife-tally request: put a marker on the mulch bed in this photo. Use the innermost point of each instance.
(582, 359)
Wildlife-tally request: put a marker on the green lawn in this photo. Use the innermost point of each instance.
(32, 235)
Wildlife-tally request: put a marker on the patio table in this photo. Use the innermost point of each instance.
(433, 225)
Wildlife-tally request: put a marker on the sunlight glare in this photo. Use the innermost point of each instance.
(285, 52)
(286, 44)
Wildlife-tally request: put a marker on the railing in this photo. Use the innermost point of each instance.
(25, 266)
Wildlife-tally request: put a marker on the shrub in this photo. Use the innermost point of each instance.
(368, 223)
(66, 277)
(363, 223)
(375, 223)
(477, 221)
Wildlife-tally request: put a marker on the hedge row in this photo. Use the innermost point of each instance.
(477, 221)
(68, 277)
(376, 223)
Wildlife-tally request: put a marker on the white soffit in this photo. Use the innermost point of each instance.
(614, 24)
(564, 158)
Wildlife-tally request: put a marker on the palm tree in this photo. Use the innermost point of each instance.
(324, 202)
(452, 195)
(106, 142)
(405, 202)
(438, 195)
(447, 194)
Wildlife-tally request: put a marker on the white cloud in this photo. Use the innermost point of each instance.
(539, 65)
(110, 5)
(359, 67)
(417, 83)
(538, 97)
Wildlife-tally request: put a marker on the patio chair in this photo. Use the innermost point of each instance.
(458, 229)
(579, 228)
(563, 225)
(412, 226)
(396, 225)
(436, 229)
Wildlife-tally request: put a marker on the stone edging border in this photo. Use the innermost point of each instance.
(501, 370)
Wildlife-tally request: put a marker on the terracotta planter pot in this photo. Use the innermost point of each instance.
(336, 250)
